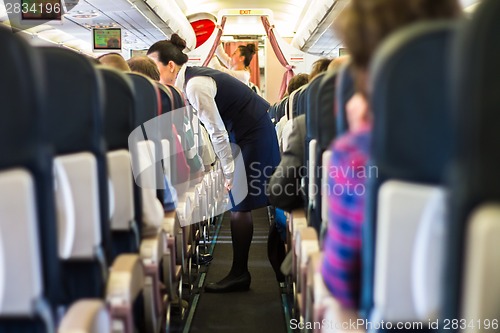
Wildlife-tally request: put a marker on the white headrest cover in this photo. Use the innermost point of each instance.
(65, 207)
(81, 170)
(20, 271)
(121, 177)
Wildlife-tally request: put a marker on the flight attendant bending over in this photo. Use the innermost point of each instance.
(227, 105)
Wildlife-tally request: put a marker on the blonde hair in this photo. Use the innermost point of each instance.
(114, 60)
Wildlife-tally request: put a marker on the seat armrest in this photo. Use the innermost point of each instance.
(312, 174)
(89, 316)
(126, 279)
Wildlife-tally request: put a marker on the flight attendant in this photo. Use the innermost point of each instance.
(238, 64)
(225, 104)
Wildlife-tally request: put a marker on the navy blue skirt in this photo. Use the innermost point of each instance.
(261, 155)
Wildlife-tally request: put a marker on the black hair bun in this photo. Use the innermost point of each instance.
(178, 41)
(251, 48)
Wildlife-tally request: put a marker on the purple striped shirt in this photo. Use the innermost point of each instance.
(347, 176)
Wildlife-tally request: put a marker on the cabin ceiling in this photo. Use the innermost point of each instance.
(287, 14)
(289, 17)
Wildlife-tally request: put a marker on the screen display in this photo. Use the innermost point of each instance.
(41, 10)
(107, 39)
(343, 51)
(138, 53)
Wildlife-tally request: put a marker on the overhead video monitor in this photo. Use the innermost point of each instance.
(107, 39)
(138, 53)
(45, 10)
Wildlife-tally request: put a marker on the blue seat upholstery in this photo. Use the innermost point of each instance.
(120, 104)
(75, 125)
(165, 132)
(343, 94)
(281, 108)
(412, 125)
(312, 95)
(325, 132)
(301, 101)
(272, 113)
(24, 144)
(476, 161)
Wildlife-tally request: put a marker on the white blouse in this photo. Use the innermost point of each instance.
(200, 92)
(242, 75)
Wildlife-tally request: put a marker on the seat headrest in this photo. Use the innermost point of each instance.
(178, 97)
(21, 95)
(476, 93)
(75, 96)
(119, 108)
(343, 94)
(476, 79)
(410, 103)
(147, 98)
(299, 106)
(167, 99)
(312, 96)
(326, 104)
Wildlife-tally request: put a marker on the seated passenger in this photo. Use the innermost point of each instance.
(114, 60)
(342, 245)
(319, 66)
(237, 64)
(295, 83)
(362, 25)
(145, 66)
(284, 188)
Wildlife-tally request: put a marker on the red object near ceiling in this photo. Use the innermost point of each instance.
(203, 30)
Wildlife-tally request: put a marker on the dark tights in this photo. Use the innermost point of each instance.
(241, 233)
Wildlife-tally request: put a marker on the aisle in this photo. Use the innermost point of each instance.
(257, 310)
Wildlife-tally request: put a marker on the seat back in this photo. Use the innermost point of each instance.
(281, 107)
(29, 265)
(411, 130)
(325, 129)
(311, 111)
(301, 100)
(480, 291)
(147, 164)
(76, 131)
(476, 162)
(118, 124)
(343, 94)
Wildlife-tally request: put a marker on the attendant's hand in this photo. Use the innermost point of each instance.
(228, 184)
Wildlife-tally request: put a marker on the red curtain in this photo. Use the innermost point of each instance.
(216, 42)
(230, 47)
(279, 54)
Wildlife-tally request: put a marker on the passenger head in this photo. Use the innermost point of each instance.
(363, 25)
(319, 66)
(144, 65)
(432, 9)
(114, 60)
(246, 52)
(297, 81)
(168, 57)
(336, 63)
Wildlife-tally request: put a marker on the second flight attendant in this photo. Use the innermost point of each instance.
(227, 105)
